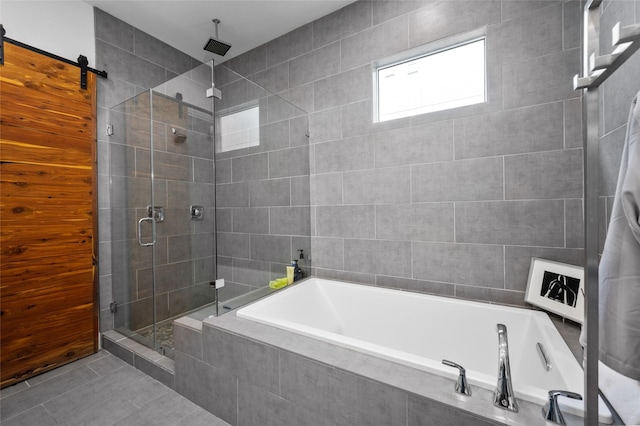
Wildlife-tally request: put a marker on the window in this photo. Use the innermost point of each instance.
(240, 129)
(433, 77)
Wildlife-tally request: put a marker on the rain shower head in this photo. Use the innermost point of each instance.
(215, 45)
(218, 47)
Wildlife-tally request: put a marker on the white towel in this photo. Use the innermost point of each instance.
(619, 272)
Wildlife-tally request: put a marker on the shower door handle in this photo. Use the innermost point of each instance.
(145, 219)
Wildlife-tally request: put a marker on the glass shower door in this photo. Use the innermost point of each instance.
(163, 207)
(134, 231)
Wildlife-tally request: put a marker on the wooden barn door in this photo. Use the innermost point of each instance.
(47, 185)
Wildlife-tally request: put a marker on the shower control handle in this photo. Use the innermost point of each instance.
(145, 219)
(551, 410)
(461, 384)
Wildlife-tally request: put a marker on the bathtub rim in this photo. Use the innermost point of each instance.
(413, 380)
(391, 354)
(570, 406)
(417, 382)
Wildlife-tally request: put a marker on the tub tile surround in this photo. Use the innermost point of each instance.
(490, 183)
(141, 357)
(263, 375)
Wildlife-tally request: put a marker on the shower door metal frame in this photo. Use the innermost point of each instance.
(596, 69)
(152, 219)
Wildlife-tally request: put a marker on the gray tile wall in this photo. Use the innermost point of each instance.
(136, 62)
(532, 119)
(412, 203)
(262, 192)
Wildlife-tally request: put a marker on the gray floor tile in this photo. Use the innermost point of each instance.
(18, 387)
(99, 390)
(169, 409)
(36, 395)
(202, 417)
(106, 365)
(36, 416)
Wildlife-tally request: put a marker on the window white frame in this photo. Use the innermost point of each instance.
(250, 140)
(423, 51)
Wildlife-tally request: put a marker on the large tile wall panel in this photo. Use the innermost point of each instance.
(528, 129)
(342, 397)
(147, 47)
(374, 43)
(543, 79)
(258, 407)
(290, 45)
(377, 186)
(328, 253)
(528, 36)
(478, 179)
(211, 388)
(424, 413)
(315, 65)
(470, 264)
(325, 125)
(345, 221)
(249, 168)
(544, 175)
(347, 87)
(347, 154)
(251, 220)
(271, 248)
(290, 221)
(326, 189)
(275, 79)
(248, 63)
(242, 358)
(441, 19)
(342, 23)
(531, 222)
(378, 257)
(415, 222)
(414, 145)
(273, 192)
(357, 120)
(251, 272)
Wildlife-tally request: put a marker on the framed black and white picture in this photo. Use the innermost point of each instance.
(556, 287)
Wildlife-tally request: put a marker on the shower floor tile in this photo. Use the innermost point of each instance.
(164, 334)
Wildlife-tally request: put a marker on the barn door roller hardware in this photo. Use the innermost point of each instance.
(82, 60)
(2, 33)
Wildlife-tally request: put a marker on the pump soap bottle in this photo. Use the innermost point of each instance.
(297, 272)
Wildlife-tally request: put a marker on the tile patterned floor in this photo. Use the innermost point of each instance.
(164, 334)
(98, 390)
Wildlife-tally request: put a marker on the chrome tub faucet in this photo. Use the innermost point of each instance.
(504, 397)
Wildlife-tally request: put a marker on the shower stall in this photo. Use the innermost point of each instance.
(209, 180)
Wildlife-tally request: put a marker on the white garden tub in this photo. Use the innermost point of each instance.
(421, 330)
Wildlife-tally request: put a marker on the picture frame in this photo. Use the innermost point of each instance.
(556, 287)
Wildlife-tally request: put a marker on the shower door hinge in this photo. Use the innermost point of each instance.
(212, 92)
(113, 307)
